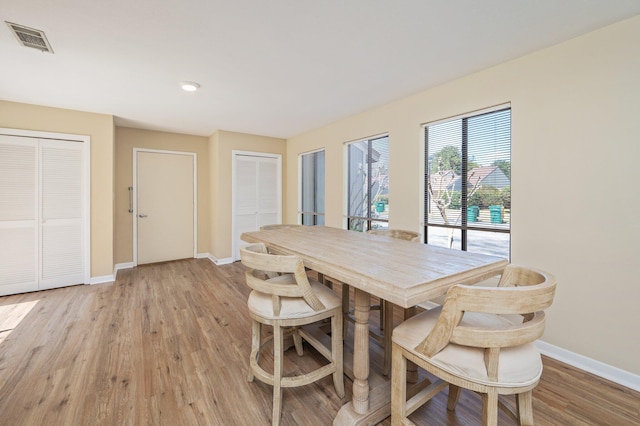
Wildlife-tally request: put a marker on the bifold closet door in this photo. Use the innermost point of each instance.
(256, 189)
(18, 215)
(41, 214)
(61, 219)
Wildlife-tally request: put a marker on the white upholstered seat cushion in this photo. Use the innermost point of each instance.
(292, 307)
(518, 366)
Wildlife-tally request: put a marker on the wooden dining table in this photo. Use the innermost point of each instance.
(402, 272)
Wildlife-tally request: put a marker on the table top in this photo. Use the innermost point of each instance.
(402, 272)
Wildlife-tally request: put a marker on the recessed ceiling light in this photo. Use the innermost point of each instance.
(189, 86)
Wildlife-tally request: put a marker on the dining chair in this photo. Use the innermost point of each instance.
(384, 307)
(284, 298)
(481, 339)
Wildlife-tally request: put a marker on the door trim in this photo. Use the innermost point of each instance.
(86, 190)
(234, 155)
(135, 196)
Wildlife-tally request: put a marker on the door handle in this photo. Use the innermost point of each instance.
(142, 215)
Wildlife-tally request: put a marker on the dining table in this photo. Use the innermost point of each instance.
(402, 272)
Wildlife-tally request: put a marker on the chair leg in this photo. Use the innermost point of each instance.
(454, 395)
(386, 335)
(297, 342)
(256, 342)
(336, 354)
(398, 387)
(490, 408)
(412, 369)
(278, 361)
(524, 403)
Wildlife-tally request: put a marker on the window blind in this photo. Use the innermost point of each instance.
(468, 182)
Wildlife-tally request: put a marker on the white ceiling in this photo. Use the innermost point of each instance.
(269, 67)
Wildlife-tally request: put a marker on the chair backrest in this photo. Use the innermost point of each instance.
(522, 291)
(277, 275)
(397, 233)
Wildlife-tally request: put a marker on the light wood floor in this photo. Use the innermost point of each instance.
(168, 344)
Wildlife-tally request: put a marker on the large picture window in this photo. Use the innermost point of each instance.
(312, 188)
(468, 182)
(368, 184)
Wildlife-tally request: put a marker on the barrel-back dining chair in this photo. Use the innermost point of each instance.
(480, 339)
(284, 298)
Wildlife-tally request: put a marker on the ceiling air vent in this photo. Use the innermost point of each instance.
(31, 37)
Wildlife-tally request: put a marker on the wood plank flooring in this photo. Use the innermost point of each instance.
(168, 344)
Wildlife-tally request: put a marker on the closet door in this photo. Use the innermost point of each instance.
(18, 215)
(61, 219)
(257, 195)
(245, 188)
(268, 192)
(41, 214)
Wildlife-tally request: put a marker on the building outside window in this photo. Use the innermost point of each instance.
(312, 188)
(468, 182)
(368, 184)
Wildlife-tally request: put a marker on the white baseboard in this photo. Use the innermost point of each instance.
(592, 366)
(103, 279)
(215, 260)
(126, 265)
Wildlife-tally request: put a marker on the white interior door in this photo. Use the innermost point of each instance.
(257, 194)
(61, 217)
(165, 206)
(42, 214)
(18, 214)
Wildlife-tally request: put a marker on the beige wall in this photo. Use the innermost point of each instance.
(575, 175)
(101, 130)
(221, 145)
(126, 140)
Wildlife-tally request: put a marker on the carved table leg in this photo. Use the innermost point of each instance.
(360, 399)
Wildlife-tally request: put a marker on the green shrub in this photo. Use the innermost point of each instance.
(491, 196)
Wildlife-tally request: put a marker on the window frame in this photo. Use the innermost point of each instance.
(463, 227)
(315, 214)
(367, 220)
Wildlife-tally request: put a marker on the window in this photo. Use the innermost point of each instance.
(468, 182)
(312, 188)
(368, 184)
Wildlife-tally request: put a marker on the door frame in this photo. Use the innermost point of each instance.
(234, 155)
(86, 186)
(134, 206)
